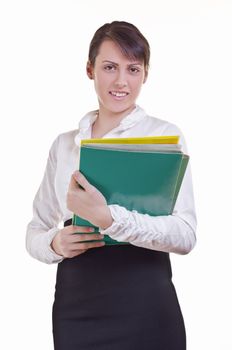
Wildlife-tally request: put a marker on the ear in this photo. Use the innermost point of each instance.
(89, 70)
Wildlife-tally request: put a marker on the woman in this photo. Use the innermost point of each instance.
(111, 297)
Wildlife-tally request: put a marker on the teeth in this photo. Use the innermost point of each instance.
(118, 94)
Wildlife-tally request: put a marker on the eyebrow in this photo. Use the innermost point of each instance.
(116, 64)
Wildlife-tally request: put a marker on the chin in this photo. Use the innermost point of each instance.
(121, 108)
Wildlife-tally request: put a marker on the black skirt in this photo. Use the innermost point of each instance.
(117, 298)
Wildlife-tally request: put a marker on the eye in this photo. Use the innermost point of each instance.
(134, 70)
(109, 67)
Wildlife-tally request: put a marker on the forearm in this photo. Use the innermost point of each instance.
(164, 233)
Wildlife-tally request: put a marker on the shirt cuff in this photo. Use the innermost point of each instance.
(52, 256)
(120, 217)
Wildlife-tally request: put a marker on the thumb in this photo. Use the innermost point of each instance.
(83, 182)
(73, 185)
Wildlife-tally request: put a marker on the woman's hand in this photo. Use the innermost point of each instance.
(68, 243)
(86, 201)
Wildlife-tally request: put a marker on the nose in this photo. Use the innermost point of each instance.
(121, 81)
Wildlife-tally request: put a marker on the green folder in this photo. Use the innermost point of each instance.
(145, 181)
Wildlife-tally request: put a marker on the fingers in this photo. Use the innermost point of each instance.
(80, 240)
(86, 245)
(79, 248)
(71, 229)
(80, 237)
(84, 241)
(69, 243)
(74, 249)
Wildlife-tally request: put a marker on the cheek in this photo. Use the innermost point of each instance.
(100, 82)
(136, 85)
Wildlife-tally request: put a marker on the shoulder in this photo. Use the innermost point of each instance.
(64, 141)
(67, 137)
(153, 125)
(159, 126)
(171, 129)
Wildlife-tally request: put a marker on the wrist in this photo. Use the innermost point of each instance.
(105, 219)
(55, 247)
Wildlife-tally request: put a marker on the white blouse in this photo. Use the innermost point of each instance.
(171, 233)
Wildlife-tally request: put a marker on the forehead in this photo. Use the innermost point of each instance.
(110, 51)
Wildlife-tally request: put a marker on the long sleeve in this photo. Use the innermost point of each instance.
(172, 233)
(169, 233)
(46, 215)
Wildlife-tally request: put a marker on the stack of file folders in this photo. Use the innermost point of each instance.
(142, 174)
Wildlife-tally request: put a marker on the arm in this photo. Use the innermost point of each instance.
(46, 215)
(45, 241)
(172, 233)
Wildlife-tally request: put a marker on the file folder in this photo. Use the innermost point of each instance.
(144, 180)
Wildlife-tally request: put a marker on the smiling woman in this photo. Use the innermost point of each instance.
(118, 62)
(121, 296)
(118, 80)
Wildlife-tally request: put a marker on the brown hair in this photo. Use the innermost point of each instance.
(127, 36)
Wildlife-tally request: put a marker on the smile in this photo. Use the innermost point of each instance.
(118, 94)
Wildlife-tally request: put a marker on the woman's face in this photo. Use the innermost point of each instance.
(117, 79)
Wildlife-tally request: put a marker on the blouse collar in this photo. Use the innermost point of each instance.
(85, 124)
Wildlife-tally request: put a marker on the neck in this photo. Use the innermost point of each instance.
(107, 121)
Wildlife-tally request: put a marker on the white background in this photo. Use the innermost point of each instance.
(44, 91)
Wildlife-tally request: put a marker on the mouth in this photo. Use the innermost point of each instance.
(119, 94)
